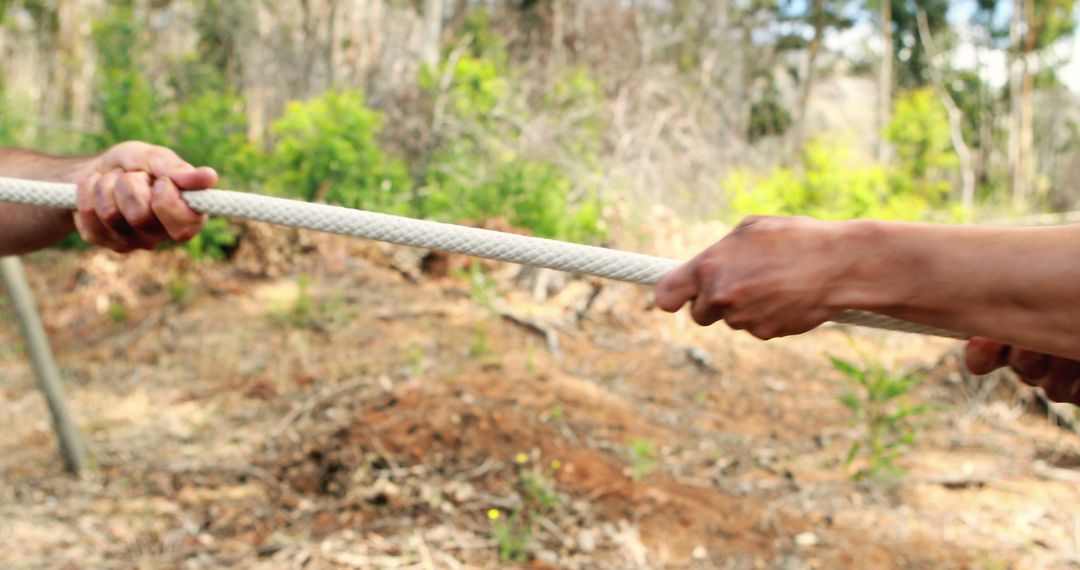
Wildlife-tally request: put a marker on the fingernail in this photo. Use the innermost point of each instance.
(159, 185)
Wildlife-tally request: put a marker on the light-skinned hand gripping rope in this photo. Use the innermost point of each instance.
(563, 256)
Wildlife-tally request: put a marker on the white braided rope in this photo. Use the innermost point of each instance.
(476, 242)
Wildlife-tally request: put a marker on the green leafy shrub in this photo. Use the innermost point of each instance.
(919, 135)
(212, 130)
(478, 174)
(12, 122)
(877, 400)
(327, 150)
(831, 184)
(527, 193)
(130, 107)
(768, 116)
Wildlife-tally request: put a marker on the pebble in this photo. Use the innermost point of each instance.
(586, 541)
(700, 553)
(806, 539)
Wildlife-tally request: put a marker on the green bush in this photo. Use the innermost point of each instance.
(326, 150)
(476, 173)
(129, 106)
(12, 123)
(831, 184)
(919, 135)
(526, 193)
(877, 399)
(211, 130)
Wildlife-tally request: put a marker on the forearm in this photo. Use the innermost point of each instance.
(28, 228)
(1020, 286)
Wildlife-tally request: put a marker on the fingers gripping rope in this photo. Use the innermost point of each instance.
(476, 242)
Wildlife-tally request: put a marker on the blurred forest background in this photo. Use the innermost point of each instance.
(549, 113)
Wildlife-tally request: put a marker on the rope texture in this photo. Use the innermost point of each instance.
(476, 242)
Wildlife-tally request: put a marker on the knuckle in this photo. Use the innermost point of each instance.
(701, 319)
(142, 219)
(187, 233)
(739, 321)
(764, 331)
(1057, 392)
(737, 294)
(706, 270)
(110, 214)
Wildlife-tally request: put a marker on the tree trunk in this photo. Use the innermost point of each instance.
(558, 37)
(885, 80)
(1027, 96)
(812, 51)
(747, 69)
(956, 121)
(331, 44)
(432, 36)
(1017, 72)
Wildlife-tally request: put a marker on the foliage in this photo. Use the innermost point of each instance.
(527, 193)
(768, 116)
(643, 457)
(539, 497)
(831, 184)
(877, 400)
(12, 123)
(511, 536)
(476, 173)
(919, 134)
(217, 238)
(211, 129)
(130, 107)
(327, 150)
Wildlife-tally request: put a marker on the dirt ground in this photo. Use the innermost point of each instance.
(335, 407)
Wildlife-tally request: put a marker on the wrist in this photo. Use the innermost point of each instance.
(874, 261)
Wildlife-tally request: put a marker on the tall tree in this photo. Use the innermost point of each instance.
(885, 77)
(903, 59)
(1034, 27)
(820, 17)
(431, 39)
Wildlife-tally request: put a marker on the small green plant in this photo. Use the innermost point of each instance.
(643, 457)
(556, 413)
(301, 312)
(539, 498)
(416, 360)
(510, 534)
(530, 359)
(117, 312)
(179, 288)
(480, 347)
(878, 402)
(482, 288)
(539, 491)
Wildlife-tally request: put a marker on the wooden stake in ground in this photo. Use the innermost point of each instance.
(41, 355)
